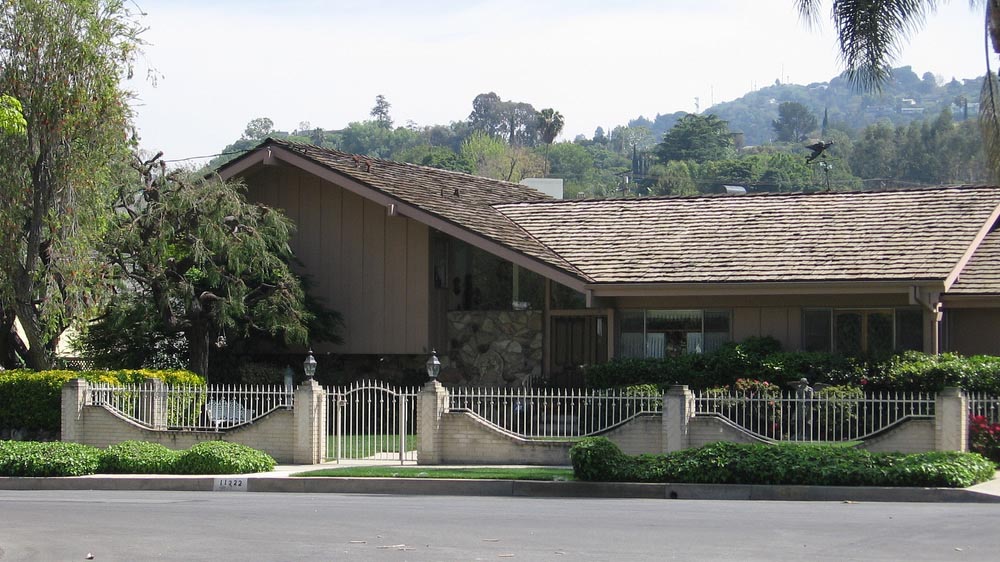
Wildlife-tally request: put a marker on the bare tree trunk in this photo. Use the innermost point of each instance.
(199, 347)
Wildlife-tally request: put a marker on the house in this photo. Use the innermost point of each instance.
(509, 284)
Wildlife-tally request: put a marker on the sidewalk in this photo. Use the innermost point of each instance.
(280, 480)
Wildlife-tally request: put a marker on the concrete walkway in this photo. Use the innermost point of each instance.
(280, 480)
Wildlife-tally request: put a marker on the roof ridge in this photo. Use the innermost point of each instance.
(768, 194)
(376, 159)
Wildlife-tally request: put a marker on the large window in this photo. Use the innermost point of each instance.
(873, 333)
(669, 333)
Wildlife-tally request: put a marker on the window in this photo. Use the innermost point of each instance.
(862, 332)
(669, 333)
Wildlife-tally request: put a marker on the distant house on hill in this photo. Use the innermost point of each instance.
(508, 283)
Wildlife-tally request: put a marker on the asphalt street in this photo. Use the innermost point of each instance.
(117, 525)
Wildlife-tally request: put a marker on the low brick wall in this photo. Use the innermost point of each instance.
(638, 436)
(910, 436)
(272, 434)
(709, 429)
(464, 439)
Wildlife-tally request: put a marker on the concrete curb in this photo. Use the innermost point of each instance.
(502, 488)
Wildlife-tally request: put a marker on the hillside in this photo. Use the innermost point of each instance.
(907, 97)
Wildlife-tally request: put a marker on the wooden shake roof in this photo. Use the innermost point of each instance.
(911, 235)
(918, 235)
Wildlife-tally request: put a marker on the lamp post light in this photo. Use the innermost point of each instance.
(309, 366)
(433, 366)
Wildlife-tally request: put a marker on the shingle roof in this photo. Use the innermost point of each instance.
(837, 236)
(981, 276)
(461, 199)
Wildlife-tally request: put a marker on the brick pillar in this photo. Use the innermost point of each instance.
(951, 420)
(310, 423)
(431, 404)
(678, 407)
(74, 396)
(154, 402)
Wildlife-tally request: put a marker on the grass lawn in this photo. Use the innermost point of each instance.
(475, 473)
(364, 446)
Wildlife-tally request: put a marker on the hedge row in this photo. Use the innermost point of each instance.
(31, 458)
(31, 400)
(762, 359)
(598, 459)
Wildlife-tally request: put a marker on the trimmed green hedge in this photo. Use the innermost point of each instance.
(762, 359)
(31, 400)
(598, 459)
(222, 457)
(31, 458)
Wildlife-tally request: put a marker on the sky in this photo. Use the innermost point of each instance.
(220, 63)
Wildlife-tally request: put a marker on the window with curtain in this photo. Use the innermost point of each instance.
(669, 333)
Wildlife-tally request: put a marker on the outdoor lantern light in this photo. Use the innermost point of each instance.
(433, 366)
(309, 365)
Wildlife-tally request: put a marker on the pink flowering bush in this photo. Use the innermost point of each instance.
(984, 437)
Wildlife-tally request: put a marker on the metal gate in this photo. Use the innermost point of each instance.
(372, 421)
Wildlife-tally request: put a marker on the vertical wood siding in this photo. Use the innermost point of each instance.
(371, 268)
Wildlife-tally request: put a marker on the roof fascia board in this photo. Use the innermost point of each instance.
(343, 180)
(964, 260)
(970, 301)
(760, 288)
(244, 163)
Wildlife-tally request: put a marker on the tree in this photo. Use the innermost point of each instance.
(258, 129)
(63, 61)
(380, 113)
(12, 117)
(550, 124)
(701, 138)
(794, 122)
(207, 261)
(492, 158)
(870, 34)
(516, 122)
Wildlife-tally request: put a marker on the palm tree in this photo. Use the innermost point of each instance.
(870, 35)
(550, 124)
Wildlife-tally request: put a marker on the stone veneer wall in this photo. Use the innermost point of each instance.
(493, 348)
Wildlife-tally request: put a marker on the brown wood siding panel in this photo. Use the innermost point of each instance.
(309, 227)
(352, 245)
(746, 323)
(373, 283)
(396, 311)
(331, 277)
(288, 200)
(973, 331)
(774, 323)
(418, 287)
(794, 329)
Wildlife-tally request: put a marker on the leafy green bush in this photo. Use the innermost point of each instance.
(32, 458)
(734, 463)
(32, 400)
(223, 457)
(761, 359)
(138, 457)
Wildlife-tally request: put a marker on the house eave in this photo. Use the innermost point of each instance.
(760, 288)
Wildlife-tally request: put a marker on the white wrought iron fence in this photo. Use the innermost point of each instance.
(788, 416)
(986, 405)
(542, 413)
(190, 407)
(372, 420)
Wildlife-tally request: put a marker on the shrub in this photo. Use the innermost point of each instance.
(598, 459)
(32, 458)
(223, 457)
(735, 463)
(138, 457)
(32, 400)
(984, 437)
